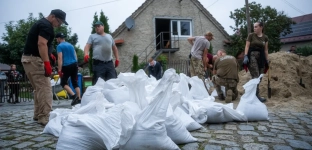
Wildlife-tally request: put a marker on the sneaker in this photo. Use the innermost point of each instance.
(75, 101)
(229, 94)
(43, 121)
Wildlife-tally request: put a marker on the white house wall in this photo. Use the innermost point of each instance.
(139, 37)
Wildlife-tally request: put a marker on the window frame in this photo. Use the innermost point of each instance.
(179, 27)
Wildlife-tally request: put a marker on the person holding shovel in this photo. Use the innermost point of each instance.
(200, 46)
(256, 54)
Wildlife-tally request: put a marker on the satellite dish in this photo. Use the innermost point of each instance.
(129, 23)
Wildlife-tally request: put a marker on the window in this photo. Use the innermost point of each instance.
(181, 28)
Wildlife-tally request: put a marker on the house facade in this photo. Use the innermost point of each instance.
(301, 35)
(165, 25)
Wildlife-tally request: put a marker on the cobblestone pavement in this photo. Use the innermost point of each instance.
(284, 131)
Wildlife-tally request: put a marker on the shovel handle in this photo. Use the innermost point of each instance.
(269, 78)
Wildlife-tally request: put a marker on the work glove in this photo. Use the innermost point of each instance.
(53, 57)
(116, 63)
(246, 60)
(60, 73)
(86, 58)
(246, 68)
(47, 69)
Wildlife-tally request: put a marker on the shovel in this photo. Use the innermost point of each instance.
(300, 73)
(269, 78)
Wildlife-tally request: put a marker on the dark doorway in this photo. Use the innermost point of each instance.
(163, 25)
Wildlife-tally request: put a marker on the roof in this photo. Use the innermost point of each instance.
(4, 67)
(196, 3)
(301, 31)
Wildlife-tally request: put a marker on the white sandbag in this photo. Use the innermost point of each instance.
(118, 95)
(92, 131)
(198, 90)
(131, 110)
(197, 112)
(136, 86)
(176, 129)
(183, 86)
(95, 106)
(113, 84)
(90, 95)
(187, 120)
(250, 105)
(149, 131)
(54, 125)
(100, 82)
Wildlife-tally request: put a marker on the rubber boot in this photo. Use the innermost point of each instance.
(229, 96)
(258, 95)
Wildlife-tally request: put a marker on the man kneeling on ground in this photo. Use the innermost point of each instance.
(225, 73)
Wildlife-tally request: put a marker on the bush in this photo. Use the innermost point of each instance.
(304, 50)
(135, 64)
(162, 59)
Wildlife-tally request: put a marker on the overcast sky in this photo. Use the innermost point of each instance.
(80, 12)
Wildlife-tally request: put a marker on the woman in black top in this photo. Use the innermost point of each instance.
(256, 54)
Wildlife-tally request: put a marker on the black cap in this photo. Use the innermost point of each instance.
(98, 23)
(59, 14)
(60, 35)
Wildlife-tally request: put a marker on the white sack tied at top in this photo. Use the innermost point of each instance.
(149, 130)
(250, 105)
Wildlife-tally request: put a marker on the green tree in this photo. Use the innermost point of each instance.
(275, 24)
(135, 64)
(15, 36)
(104, 19)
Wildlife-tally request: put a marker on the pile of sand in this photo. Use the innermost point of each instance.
(287, 94)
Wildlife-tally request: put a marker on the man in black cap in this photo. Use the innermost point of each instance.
(36, 62)
(103, 46)
(68, 67)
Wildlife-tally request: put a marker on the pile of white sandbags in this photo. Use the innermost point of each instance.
(138, 112)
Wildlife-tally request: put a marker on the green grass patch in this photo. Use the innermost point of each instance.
(10, 137)
(25, 94)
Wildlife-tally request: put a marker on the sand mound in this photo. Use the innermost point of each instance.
(287, 94)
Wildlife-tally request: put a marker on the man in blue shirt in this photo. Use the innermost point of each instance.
(68, 67)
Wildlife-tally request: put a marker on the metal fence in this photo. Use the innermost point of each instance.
(181, 66)
(22, 89)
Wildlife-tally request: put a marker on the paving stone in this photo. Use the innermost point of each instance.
(42, 144)
(287, 132)
(216, 127)
(201, 140)
(281, 147)
(247, 133)
(255, 146)
(203, 135)
(297, 126)
(309, 126)
(232, 148)
(305, 138)
(279, 124)
(246, 127)
(270, 140)
(5, 143)
(230, 127)
(262, 128)
(24, 144)
(203, 129)
(228, 143)
(246, 139)
(212, 147)
(264, 123)
(299, 144)
(277, 121)
(225, 137)
(300, 131)
(269, 134)
(292, 120)
(280, 128)
(285, 136)
(44, 148)
(299, 114)
(23, 137)
(32, 132)
(223, 132)
(52, 146)
(40, 139)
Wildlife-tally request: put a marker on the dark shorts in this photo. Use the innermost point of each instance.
(70, 71)
(105, 70)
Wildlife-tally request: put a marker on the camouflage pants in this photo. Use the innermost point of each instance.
(197, 68)
(253, 67)
(229, 84)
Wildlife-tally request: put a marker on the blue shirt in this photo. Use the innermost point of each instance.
(68, 53)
